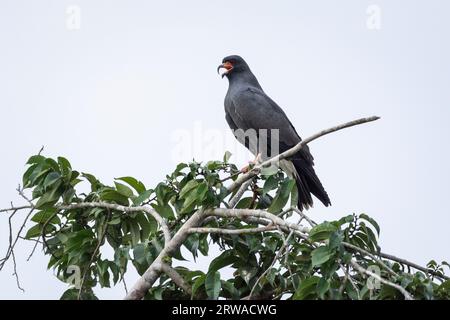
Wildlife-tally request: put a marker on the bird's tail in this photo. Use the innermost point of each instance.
(308, 183)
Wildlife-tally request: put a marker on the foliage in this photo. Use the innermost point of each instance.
(269, 265)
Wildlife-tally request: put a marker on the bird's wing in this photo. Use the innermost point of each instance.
(253, 109)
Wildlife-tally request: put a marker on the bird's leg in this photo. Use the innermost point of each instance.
(252, 163)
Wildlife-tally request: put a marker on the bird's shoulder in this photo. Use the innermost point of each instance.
(248, 97)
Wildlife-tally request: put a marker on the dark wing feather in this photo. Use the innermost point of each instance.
(251, 108)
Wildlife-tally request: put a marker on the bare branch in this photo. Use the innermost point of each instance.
(412, 264)
(15, 271)
(22, 194)
(312, 223)
(243, 213)
(235, 199)
(232, 231)
(256, 169)
(15, 208)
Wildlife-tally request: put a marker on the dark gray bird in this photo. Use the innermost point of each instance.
(248, 107)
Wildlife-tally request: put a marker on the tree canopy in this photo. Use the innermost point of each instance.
(274, 250)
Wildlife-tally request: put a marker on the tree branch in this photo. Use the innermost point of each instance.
(412, 264)
(232, 231)
(235, 199)
(176, 277)
(141, 287)
(288, 153)
(362, 270)
(243, 213)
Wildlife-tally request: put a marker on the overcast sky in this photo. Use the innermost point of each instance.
(114, 92)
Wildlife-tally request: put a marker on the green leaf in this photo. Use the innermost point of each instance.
(282, 196)
(50, 197)
(68, 195)
(134, 183)
(115, 221)
(244, 203)
(139, 253)
(322, 231)
(114, 196)
(226, 258)
(189, 202)
(103, 273)
(34, 231)
(51, 179)
(336, 239)
(228, 286)
(142, 197)
(66, 168)
(52, 164)
(95, 183)
(270, 184)
(197, 284)
(37, 175)
(202, 189)
(306, 289)
(227, 156)
(72, 294)
(188, 187)
(192, 243)
(320, 255)
(371, 221)
(146, 226)
(115, 271)
(26, 176)
(322, 287)
(213, 165)
(44, 215)
(38, 159)
(180, 167)
(444, 286)
(135, 231)
(165, 211)
(124, 190)
(213, 285)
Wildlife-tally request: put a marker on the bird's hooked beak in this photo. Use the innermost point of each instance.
(226, 65)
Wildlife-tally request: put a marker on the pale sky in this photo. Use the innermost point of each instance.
(113, 96)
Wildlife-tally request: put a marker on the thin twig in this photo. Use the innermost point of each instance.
(15, 271)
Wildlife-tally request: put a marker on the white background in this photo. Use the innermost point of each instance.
(111, 96)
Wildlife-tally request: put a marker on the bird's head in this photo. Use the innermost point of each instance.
(233, 64)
